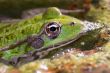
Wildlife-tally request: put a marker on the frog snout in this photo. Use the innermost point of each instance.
(89, 26)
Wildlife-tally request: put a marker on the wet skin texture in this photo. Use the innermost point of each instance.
(43, 35)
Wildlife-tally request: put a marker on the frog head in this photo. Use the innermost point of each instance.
(58, 29)
(43, 33)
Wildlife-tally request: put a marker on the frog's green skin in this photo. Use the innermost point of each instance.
(34, 26)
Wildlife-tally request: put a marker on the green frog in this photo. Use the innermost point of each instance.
(45, 34)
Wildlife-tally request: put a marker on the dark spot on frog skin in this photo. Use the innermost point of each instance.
(14, 61)
(36, 42)
(108, 32)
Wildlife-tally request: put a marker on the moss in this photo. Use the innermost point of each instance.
(99, 14)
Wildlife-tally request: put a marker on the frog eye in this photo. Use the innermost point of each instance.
(52, 29)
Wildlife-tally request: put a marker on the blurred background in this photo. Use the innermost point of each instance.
(15, 8)
(83, 9)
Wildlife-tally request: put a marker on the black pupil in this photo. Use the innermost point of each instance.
(52, 28)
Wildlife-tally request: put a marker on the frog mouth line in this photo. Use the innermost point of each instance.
(38, 54)
(61, 44)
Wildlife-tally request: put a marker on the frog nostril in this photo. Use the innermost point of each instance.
(72, 23)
